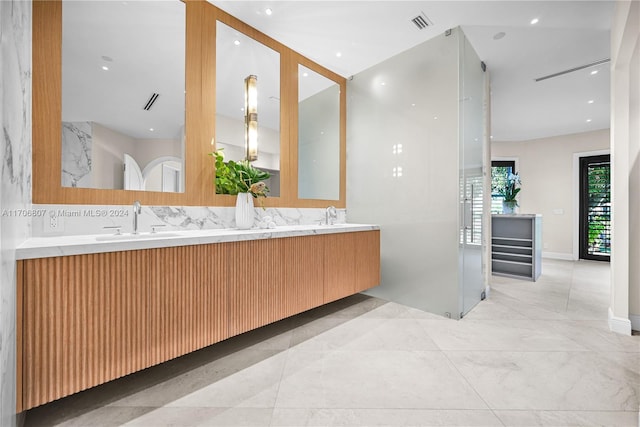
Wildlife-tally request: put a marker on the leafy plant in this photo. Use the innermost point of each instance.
(239, 177)
(512, 188)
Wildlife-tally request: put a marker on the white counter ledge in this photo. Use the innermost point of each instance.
(44, 247)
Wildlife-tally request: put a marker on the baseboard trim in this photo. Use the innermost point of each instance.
(635, 322)
(558, 255)
(619, 325)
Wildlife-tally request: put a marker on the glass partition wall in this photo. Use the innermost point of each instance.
(416, 132)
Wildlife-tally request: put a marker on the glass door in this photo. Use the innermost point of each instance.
(595, 208)
(471, 176)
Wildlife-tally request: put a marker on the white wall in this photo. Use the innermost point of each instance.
(546, 168)
(110, 146)
(634, 190)
(625, 97)
(15, 189)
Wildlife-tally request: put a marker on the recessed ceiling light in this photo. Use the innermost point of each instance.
(435, 118)
(590, 101)
(105, 68)
(151, 129)
(305, 74)
(268, 11)
(242, 109)
(594, 72)
(338, 54)
(499, 35)
(588, 120)
(383, 83)
(534, 21)
(236, 42)
(413, 105)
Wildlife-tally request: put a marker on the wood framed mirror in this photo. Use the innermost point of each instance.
(48, 115)
(200, 109)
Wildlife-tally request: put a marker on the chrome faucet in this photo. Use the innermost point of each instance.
(330, 215)
(137, 210)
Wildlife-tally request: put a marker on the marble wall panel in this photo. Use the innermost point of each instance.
(15, 186)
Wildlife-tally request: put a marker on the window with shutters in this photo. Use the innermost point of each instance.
(500, 170)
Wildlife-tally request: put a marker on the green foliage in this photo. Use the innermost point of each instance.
(238, 177)
(511, 188)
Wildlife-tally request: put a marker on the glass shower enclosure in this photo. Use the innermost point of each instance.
(416, 135)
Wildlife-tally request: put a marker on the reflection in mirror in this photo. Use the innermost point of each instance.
(318, 136)
(123, 90)
(237, 57)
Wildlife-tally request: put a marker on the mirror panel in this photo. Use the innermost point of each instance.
(238, 56)
(319, 168)
(123, 92)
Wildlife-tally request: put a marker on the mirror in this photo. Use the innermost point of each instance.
(238, 56)
(123, 93)
(318, 136)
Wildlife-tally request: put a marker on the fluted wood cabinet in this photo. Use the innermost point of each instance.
(84, 320)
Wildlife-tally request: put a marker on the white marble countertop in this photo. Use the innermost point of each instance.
(44, 247)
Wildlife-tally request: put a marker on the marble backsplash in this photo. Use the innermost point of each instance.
(15, 183)
(59, 220)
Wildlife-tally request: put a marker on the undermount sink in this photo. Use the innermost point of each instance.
(117, 237)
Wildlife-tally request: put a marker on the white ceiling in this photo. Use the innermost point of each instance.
(569, 34)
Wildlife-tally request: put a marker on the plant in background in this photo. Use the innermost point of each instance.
(239, 177)
(511, 189)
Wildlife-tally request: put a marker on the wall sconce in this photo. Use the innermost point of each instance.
(251, 117)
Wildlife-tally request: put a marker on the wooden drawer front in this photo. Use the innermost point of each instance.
(367, 260)
(188, 299)
(85, 322)
(253, 284)
(303, 274)
(339, 267)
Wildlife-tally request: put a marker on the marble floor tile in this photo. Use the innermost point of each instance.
(498, 335)
(529, 309)
(568, 418)
(374, 379)
(285, 417)
(577, 381)
(493, 309)
(593, 335)
(197, 417)
(207, 380)
(104, 416)
(254, 387)
(363, 334)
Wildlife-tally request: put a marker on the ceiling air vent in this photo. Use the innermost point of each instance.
(571, 70)
(421, 21)
(151, 101)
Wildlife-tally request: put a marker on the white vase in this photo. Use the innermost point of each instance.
(244, 211)
(509, 207)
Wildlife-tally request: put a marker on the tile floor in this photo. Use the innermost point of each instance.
(532, 354)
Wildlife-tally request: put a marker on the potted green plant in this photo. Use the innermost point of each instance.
(511, 190)
(242, 179)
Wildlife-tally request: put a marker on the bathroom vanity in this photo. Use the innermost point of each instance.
(91, 310)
